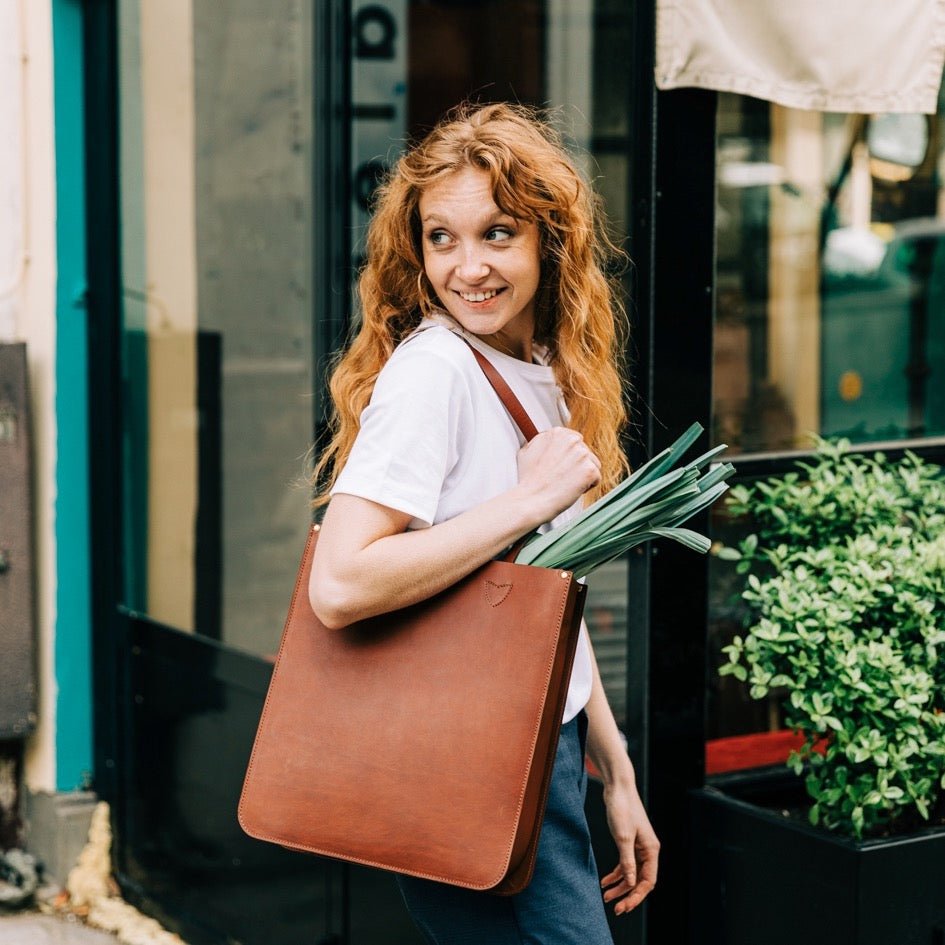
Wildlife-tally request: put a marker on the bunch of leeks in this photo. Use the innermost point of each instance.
(653, 502)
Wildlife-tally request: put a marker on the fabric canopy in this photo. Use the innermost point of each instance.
(868, 56)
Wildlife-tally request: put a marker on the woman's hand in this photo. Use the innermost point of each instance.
(557, 467)
(634, 877)
(367, 563)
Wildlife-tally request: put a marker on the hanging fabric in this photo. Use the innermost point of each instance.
(867, 56)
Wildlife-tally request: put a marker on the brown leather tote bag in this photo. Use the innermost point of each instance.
(421, 741)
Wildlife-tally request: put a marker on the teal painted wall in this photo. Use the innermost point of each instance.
(73, 665)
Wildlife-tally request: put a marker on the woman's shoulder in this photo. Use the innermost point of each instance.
(435, 348)
(432, 358)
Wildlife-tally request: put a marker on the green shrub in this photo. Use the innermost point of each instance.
(846, 595)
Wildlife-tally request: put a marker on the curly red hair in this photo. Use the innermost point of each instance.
(579, 316)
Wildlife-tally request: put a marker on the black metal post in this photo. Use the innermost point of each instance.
(642, 247)
(680, 391)
(332, 195)
(104, 347)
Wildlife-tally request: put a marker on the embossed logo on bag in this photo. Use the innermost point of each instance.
(496, 593)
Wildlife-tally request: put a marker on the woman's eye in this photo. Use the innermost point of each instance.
(498, 234)
(438, 238)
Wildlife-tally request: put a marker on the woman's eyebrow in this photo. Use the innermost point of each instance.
(436, 218)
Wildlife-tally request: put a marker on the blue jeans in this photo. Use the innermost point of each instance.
(561, 906)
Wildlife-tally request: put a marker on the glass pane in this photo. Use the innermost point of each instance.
(414, 59)
(740, 732)
(216, 210)
(831, 266)
(605, 613)
(830, 319)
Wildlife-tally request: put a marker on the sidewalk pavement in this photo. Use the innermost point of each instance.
(34, 928)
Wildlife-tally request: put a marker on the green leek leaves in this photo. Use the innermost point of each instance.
(653, 502)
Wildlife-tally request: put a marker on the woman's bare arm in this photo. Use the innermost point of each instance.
(634, 876)
(367, 564)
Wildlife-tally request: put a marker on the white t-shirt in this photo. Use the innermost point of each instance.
(435, 440)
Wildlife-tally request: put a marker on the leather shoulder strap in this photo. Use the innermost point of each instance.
(511, 403)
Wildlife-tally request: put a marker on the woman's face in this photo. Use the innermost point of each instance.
(482, 263)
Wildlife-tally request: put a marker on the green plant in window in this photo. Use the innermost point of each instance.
(846, 594)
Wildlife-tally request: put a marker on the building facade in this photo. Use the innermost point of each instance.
(189, 184)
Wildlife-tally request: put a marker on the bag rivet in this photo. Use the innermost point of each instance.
(565, 575)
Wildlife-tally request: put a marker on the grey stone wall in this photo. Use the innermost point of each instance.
(253, 89)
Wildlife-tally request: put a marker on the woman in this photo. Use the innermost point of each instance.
(486, 234)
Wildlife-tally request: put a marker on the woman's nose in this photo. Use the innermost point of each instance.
(472, 266)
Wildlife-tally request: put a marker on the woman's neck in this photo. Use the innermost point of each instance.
(513, 347)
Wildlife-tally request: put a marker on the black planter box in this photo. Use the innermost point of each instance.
(761, 878)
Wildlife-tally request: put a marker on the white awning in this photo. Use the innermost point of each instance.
(867, 56)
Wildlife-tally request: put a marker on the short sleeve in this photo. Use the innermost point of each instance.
(408, 440)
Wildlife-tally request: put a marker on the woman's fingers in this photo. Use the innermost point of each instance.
(633, 879)
(619, 882)
(640, 893)
(560, 466)
(627, 895)
(615, 892)
(612, 877)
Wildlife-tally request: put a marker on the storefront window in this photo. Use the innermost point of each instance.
(831, 264)
(216, 207)
(414, 59)
(217, 257)
(830, 320)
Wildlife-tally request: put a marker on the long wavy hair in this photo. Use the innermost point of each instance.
(578, 313)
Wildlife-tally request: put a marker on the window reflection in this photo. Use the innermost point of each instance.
(605, 613)
(830, 310)
(216, 257)
(217, 213)
(730, 711)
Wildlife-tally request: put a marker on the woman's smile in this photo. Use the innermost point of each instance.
(482, 263)
(480, 297)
